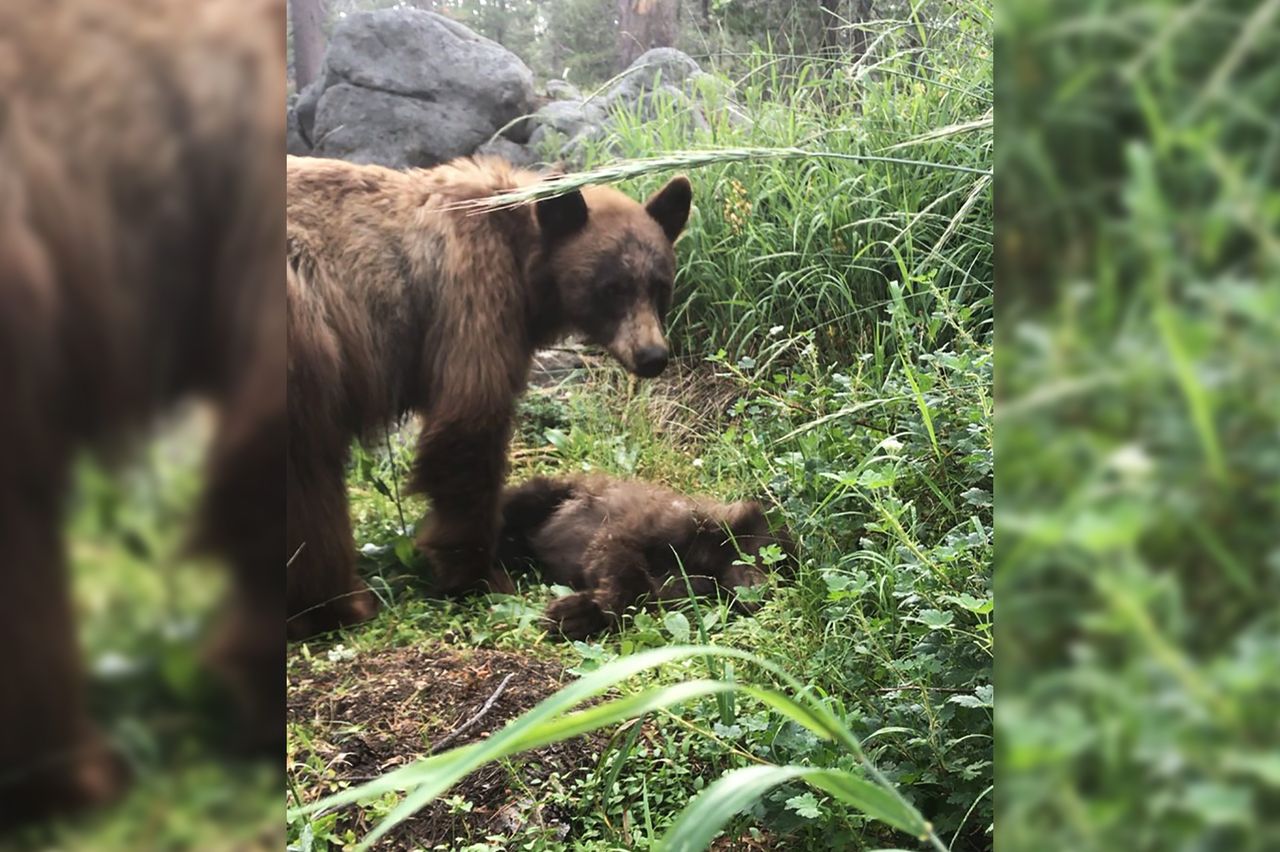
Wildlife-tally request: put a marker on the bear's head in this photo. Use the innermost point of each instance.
(611, 262)
(724, 550)
(748, 534)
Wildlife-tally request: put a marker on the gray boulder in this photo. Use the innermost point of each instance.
(404, 87)
(520, 130)
(568, 117)
(574, 151)
(517, 155)
(367, 126)
(565, 129)
(304, 107)
(660, 68)
(667, 75)
(295, 142)
(563, 90)
(546, 140)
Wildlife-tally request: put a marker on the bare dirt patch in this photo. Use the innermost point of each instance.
(381, 710)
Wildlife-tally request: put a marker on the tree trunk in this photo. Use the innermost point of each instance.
(644, 24)
(831, 25)
(860, 38)
(308, 40)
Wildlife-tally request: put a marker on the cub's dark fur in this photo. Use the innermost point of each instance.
(621, 542)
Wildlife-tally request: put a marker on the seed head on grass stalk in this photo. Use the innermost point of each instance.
(683, 160)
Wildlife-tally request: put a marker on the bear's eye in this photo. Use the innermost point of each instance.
(609, 297)
(660, 290)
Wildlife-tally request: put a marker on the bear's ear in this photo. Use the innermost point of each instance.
(669, 206)
(561, 216)
(746, 519)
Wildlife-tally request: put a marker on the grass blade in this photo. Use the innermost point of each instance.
(706, 815)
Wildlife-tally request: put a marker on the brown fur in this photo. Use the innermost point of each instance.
(400, 302)
(140, 237)
(624, 542)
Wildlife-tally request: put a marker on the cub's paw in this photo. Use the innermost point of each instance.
(577, 616)
(455, 582)
(358, 606)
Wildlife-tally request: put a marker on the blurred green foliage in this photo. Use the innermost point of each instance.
(145, 605)
(1139, 426)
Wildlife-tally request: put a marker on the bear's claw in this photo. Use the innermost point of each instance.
(577, 616)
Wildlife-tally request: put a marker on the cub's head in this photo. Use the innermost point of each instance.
(725, 552)
(748, 534)
(611, 261)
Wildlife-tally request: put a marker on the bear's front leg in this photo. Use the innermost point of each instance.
(52, 757)
(616, 576)
(323, 591)
(460, 466)
(243, 519)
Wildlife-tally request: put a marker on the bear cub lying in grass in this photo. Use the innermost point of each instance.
(622, 542)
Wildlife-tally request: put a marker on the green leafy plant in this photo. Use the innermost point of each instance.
(552, 720)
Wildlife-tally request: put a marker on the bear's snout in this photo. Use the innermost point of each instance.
(639, 345)
(650, 361)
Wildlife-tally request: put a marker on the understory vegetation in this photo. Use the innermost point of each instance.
(833, 333)
(146, 607)
(1140, 297)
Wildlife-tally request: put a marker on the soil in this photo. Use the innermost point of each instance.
(382, 710)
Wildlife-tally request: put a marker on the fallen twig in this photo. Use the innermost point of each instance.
(438, 747)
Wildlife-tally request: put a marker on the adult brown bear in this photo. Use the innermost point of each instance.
(399, 301)
(622, 542)
(141, 193)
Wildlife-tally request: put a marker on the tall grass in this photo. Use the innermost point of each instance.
(1138, 428)
(900, 171)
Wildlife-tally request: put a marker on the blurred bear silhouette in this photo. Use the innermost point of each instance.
(141, 238)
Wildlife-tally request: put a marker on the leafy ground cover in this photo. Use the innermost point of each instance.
(1138, 564)
(889, 615)
(834, 338)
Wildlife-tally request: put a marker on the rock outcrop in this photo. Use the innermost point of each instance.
(404, 87)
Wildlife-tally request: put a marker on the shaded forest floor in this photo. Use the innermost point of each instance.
(370, 700)
(357, 714)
